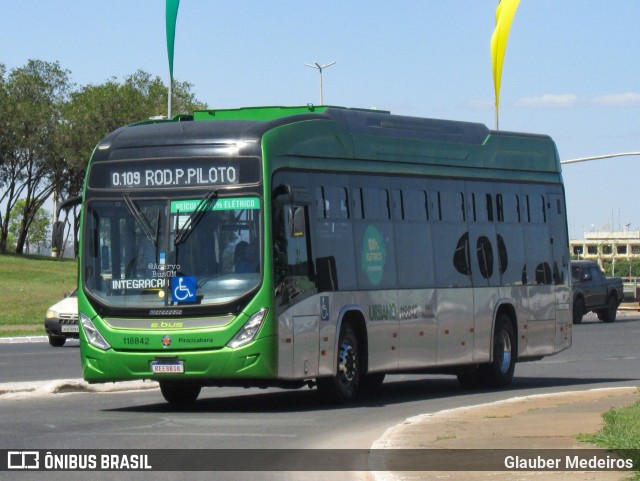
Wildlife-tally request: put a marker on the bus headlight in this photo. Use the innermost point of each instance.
(249, 330)
(93, 335)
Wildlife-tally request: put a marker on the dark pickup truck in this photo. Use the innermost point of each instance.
(592, 291)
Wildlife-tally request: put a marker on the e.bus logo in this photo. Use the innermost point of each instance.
(23, 460)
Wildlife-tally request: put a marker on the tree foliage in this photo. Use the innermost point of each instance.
(39, 231)
(49, 129)
(32, 117)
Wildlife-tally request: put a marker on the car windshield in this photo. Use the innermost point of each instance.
(148, 253)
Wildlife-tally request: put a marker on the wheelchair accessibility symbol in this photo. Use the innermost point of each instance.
(183, 289)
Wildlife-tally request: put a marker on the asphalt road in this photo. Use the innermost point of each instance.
(38, 361)
(602, 355)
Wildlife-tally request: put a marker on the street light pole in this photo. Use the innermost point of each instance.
(597, 157)
(319, 68)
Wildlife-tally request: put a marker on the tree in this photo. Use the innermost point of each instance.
(39, 230)
(48, 132)
(6, 141)
(31, 151)
(95, 110)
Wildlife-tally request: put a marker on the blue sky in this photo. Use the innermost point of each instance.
(571, 69)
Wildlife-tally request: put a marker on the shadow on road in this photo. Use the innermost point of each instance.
(395, 390)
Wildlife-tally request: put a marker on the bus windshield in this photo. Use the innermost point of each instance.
(142, 252)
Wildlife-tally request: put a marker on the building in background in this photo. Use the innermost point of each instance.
(617, 253)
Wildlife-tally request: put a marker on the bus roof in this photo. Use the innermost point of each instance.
(356, 133)
(357, 121)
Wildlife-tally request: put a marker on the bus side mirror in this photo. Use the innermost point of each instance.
(69, 203)
(286, 194)
(57, 236)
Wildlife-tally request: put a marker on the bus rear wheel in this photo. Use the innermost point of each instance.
(499, 373)
(371, 383)
(343, 387)
(180, 394)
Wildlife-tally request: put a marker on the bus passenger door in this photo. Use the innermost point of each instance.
(298, 315)
(560, 259)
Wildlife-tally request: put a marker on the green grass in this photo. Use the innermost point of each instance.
(28, 286)
(620, 432)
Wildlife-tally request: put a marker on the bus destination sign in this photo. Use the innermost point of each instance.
(173, 173)
(172, 177)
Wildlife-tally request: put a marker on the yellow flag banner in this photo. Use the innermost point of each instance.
(504, 16)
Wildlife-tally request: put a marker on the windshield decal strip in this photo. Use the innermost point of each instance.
(227, 203)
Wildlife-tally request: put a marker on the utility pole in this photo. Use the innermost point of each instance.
(319, 68)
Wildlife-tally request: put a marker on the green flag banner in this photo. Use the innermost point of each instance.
(504, 17)
(172, 15)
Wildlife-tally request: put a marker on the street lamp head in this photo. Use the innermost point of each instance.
(319, 68)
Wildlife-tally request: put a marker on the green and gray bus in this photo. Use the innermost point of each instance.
(320, 246)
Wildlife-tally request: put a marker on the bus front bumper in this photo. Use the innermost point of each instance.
(256, 360)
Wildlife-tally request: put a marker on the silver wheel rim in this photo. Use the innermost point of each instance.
(505, 361)
(347, 363)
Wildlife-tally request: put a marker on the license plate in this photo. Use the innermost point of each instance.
(70, 328)
(176, 367)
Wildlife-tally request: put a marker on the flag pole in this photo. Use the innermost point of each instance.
(169, 97)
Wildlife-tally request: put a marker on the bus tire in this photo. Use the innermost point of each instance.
(499, 372)
(343, 387)
(371, 383)
(180, 394)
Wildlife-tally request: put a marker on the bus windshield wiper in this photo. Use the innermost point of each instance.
(195, 217)
(140, 219)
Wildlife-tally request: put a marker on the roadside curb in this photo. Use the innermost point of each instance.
(23, 339)
(539, 421)
(30, 389)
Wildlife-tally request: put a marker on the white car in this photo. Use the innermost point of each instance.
(61, 320)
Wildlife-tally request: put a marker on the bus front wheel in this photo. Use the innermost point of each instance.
(343, 387)
(180, 394)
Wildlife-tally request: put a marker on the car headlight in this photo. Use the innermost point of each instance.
(93, 335)
(51, 314)
(249, 330)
